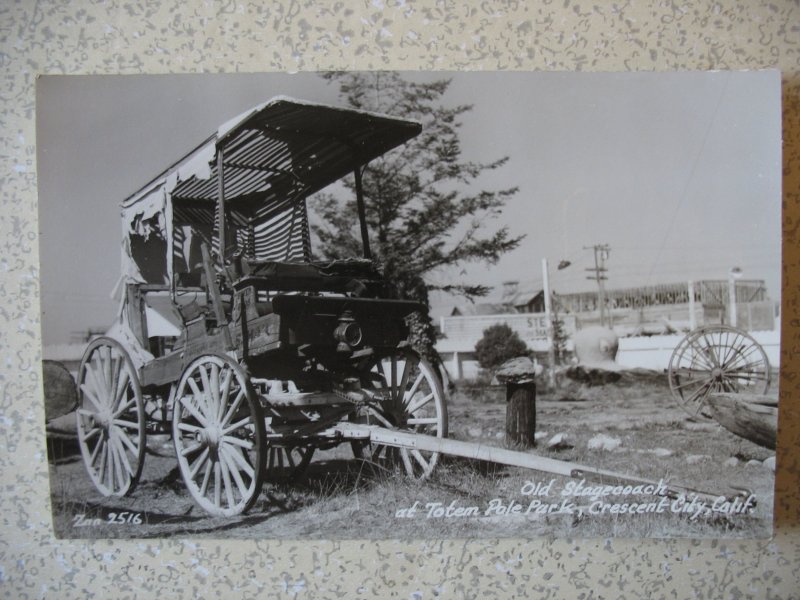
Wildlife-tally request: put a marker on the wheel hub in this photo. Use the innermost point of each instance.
(390, 413)
(211, 437)
(398, 419)
(102, 420)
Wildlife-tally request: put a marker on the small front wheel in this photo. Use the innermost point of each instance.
(219, 435)
(404, 393)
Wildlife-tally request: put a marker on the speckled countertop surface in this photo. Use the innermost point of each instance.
(231, 36)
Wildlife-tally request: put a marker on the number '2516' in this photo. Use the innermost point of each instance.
(125, 518)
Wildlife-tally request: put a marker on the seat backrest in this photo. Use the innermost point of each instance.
(280, 232)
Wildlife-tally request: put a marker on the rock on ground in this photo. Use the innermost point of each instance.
(558, 441)
(663, 452)
(693, 459)
(770, 463)
(604, 442)
(731, 462)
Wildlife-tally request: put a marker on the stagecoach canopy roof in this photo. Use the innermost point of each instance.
(283, 143)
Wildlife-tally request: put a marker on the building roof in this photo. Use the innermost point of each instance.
(521, 296)
(486, 308)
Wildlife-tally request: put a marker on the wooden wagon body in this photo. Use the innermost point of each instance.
(230, 336)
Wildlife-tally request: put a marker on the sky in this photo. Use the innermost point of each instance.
(679, 173)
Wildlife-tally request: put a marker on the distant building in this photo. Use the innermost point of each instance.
(525, 298)
(474, 310)
(646, 305)
(644, 310)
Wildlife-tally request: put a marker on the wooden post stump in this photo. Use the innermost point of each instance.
(521, 413)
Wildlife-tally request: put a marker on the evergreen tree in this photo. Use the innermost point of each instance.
(423, 209)
(499, 344)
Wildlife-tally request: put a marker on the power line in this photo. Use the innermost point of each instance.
(689, 179)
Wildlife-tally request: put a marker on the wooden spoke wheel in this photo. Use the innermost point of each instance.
(285, 463)
(404, 393)
(111, 420)
(716, 358)
(218, 429)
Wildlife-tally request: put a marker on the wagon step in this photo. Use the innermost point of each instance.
(512, 458)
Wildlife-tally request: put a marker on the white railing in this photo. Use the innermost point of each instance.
(654, 352)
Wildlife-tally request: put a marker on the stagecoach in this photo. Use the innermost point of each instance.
(232, 337)
(248, 351)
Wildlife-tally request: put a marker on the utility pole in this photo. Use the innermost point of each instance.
(601, 252)
(733, 274)
(548, 315)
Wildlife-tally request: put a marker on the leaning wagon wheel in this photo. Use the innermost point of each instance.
(218, 429)
(286, 463)
(110, 415)
(716, 358)
(406, 394)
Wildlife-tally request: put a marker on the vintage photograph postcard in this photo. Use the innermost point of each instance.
(411, 305)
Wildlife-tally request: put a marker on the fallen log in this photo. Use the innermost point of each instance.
(752, 417)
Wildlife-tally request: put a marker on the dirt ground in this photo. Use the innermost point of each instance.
(644, 432)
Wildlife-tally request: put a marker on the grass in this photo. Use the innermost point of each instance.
(343, 498)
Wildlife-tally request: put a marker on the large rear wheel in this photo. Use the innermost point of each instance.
(111, 420)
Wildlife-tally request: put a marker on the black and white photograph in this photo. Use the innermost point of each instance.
(414, 305)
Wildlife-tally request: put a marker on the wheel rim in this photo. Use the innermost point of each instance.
(287, 463)
(716, 359)
(110, 418)
(218, 431)
(405, 394)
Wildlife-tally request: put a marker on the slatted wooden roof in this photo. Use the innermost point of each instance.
(291, 148)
